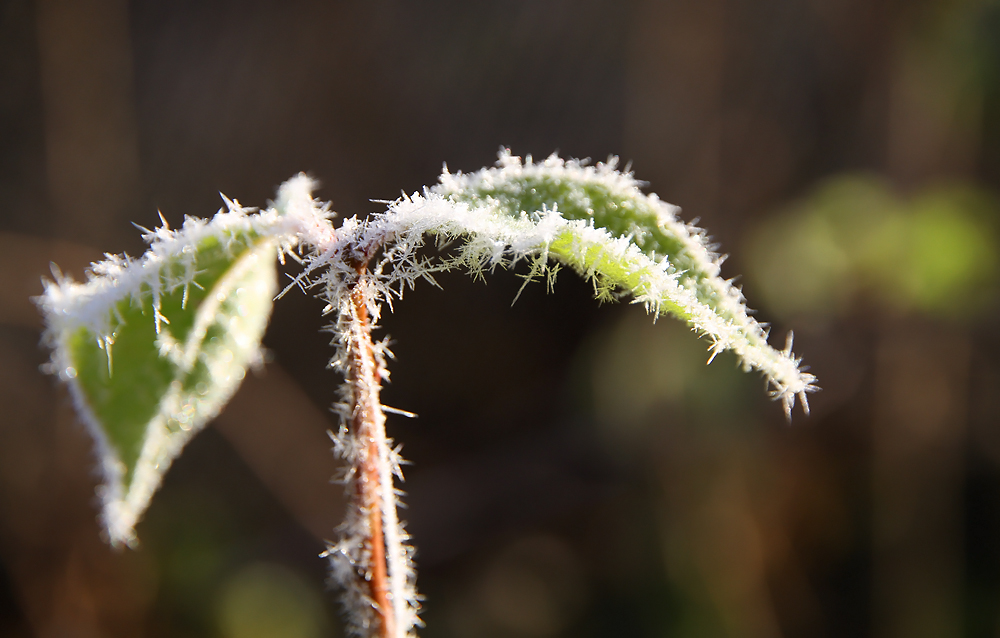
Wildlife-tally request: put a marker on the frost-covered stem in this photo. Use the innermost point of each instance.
(368, 424)
(371, 559)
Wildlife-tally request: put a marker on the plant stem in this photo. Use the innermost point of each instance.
(368, 424)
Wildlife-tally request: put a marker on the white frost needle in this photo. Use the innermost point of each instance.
(187, 296)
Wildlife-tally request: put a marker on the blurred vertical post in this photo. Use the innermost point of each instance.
(674, 91)
(919, 440)
(67, 580)
(919, 426)
(935, 101)
(91, 143)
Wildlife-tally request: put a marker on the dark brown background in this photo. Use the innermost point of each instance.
(555, 490)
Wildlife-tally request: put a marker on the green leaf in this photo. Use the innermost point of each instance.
(152, 349)
(609, 200)
(597, 221)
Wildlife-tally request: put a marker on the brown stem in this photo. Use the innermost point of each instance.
(369, 428)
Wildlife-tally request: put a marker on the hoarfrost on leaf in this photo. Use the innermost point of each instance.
(153, 348)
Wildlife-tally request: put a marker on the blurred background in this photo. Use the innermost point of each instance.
(577, 470)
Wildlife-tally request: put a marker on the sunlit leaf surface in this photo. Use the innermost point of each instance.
(152, 349)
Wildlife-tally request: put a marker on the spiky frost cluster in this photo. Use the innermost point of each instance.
(167, 266)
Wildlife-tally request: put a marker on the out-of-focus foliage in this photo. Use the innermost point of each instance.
(853, 240)
(266, 600)
(641, 372)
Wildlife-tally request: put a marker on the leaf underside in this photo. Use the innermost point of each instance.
(173, 353)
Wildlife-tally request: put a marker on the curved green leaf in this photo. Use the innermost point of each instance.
(596, 220)
(152, 349)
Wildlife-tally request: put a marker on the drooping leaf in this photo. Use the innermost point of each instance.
(153, 348)
(596, 220)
